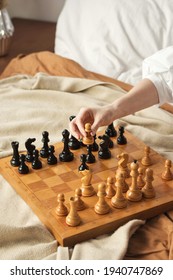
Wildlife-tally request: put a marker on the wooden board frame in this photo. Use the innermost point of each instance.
(40, 188)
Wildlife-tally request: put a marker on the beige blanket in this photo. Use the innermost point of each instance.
(30, 105)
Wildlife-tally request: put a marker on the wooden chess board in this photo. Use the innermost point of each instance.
(39, 189)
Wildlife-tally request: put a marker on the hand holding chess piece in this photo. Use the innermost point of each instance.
(88, 139)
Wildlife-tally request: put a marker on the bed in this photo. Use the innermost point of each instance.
(93, 66)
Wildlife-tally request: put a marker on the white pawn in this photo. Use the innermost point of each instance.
(134, 193)
(118, 200)
(73, 219)
(110, 191)
(61, 209)
(167, 174)
(146, 160)
(80, 205)
(101, 206)
(148, 190)
(140, 180)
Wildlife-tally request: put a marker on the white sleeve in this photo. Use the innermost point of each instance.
(159, 69)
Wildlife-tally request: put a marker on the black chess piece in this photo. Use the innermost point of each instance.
(44, 152)
(95, 146)
(90, 158)
(66, 155)
(111, 131)
(36, 163)
(83, 165)
(73, 143)
(30, 148)
(111, 143)
(104, 152)
(52, 159)
(15, 158)
(23, 168)
(121, 139)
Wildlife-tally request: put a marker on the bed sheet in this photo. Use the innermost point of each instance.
(113, 37)
(27, 112)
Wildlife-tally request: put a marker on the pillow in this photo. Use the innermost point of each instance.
(112, 37)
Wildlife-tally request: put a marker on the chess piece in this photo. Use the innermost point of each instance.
(90, 158)
(110, 190)
(52, 159)
(23, 168)
(30, 148)
(140, 180)
(44, 152)
(110, 130)
(88, 139)
(61, 209)
(111, 143)
(124, 184)
(95, 146)
(118, 200)
(66, 155)
(73, 143)
(83, 165)
(102, 207)
(148, 190)
(73, 218)
(167, 174)
(121, 139)
(134, 193)
(104, 152)
(15, 158)
(146, 160)
(87, 188)
(80, 205)
(36, 163)
(123, 159)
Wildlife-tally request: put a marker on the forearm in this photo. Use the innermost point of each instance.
(141, 96)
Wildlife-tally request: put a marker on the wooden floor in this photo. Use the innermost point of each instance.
(29, 36)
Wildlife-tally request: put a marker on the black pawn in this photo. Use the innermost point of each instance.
(90, 158)
(15, 158)
(73, 143)
(36, 163)
(44, 152)
(121, 139)
(52, 158)
(30, 148)
(66, 155)
(83, 165)
(110, 130)
(104, 152)
(95, 146)
(111, 143)
(23, 168)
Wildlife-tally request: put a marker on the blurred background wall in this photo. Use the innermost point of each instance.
(46, 10)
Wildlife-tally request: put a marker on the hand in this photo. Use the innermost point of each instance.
(97, 116)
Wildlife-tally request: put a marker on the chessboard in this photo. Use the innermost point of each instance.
(40, 188)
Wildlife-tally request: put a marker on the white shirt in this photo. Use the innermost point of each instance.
(159, 69)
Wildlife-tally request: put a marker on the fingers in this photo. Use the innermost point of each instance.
(74, 129)
(86, 115)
